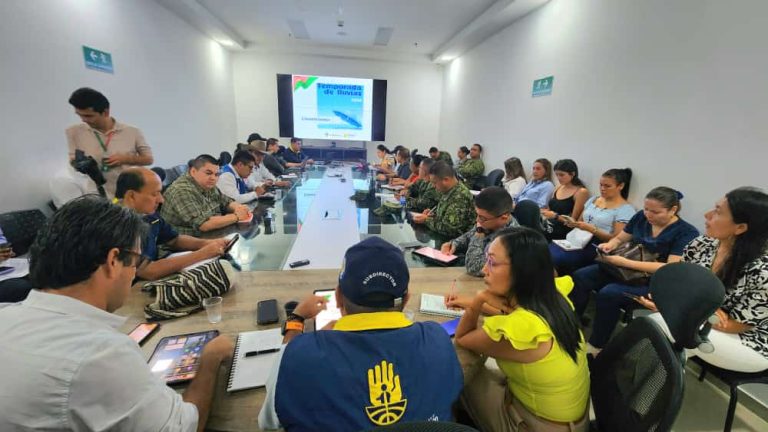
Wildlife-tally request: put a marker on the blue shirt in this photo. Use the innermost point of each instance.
(670, 241)
(604, 218)
(404, 171)
(159, 233)
(290, 156)
(538, 191)
(332, 379)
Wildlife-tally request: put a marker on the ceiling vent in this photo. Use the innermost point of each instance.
(383, 35)
(298, 29)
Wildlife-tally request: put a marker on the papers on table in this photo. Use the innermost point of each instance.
(435, 305)
(20, 268)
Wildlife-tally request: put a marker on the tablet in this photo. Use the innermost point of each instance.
(436, 255)
(176, 358)
(331, 312)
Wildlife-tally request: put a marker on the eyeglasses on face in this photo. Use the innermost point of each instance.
(484, 219)
(491, 262)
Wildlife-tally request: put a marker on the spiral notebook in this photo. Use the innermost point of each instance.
(255, 352)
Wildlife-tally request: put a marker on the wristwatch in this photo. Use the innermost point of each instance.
(293, 322)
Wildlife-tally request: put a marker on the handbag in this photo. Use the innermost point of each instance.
(634, 252)
(182, 293)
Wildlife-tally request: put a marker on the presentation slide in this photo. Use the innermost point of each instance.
(332, 108)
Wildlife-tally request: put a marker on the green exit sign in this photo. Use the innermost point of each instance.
(98, 60)
(543, 86)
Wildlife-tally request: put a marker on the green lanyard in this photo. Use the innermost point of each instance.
(109, 138)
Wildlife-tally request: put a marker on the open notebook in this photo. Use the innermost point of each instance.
(435, 305)
(249, 371)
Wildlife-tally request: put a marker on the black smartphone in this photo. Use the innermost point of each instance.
(266, 312)
(632, 296)
(231, 243)
(298, 263)
(143, 331)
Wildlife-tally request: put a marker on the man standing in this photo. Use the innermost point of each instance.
(112, 144)
(454, 213)
(390, 369)
(493, 207)
(234, 178)
(440, 155)
(193, 204)
(473, 168)
(140, 189)
(65, 364)
(293, 156)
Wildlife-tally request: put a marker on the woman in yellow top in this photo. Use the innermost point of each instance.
(534, 338)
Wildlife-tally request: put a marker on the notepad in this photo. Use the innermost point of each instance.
(432, 304)
(253, 371)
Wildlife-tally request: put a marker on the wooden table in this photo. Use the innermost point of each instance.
(239, 411)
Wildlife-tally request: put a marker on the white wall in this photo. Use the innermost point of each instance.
(673, 89)
(170, 81)
(413, 93)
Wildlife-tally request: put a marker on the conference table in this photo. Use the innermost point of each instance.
(315, 219)
(238, 411)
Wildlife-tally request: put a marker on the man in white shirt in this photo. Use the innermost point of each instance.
(65, 364)
(234, 179)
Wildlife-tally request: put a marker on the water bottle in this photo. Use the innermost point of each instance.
(402, 209)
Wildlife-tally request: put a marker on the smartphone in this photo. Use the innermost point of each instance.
(231, 243)
(143, 331)
(632, 296)
(568, 218)
(298, 263)
(266, 312)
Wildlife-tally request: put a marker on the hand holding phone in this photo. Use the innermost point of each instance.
(231, 243)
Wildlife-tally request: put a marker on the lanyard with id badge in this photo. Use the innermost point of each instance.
(105, 147)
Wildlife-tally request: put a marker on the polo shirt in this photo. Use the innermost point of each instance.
(290, 156)
(421, 376)
(125, 139)
(670, 241)
(159, 233)
(65, 366)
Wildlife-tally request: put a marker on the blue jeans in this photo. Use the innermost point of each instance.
(567, 262)
(609, 301)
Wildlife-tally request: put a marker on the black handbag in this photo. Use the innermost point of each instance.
(634, 252)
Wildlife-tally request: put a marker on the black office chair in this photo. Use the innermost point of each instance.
(528, 214)
(637, 380)
(424, 426)
(21, 228)
(160, 173)
(494, 178)
(224, 158)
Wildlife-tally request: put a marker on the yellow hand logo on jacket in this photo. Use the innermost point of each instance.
(387, 403)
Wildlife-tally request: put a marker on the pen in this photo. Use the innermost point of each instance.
(266, 351)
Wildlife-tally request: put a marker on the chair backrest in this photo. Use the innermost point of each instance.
(224, 158)
(173, 173)
(21, 228)
(424, 426)
(160, 173)
(495, 177)
(528, 214)
(637, 380)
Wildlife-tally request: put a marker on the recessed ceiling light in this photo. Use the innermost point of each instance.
(226, 42)
(341, 33)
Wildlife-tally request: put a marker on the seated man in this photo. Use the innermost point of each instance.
(234, 178)
(272, 160)
(193, 204)
(293, 156)
(422, 194)
(14, 289)
(391, 369)
(140, 189)
(66, 366)
(261, 176)
(493, 207)
(440, 155)
(472, 168)
(454, 214)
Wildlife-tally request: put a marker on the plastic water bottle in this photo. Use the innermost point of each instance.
(402, 209)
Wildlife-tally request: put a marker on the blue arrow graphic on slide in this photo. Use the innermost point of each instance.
(348, 119)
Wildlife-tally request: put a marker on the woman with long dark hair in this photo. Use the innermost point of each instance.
(735, 248)
(535, 339)
(386, 159)
(567, 200)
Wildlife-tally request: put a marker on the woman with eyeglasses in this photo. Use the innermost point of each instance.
(533, 335)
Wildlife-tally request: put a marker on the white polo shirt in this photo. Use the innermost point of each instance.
(66, 367)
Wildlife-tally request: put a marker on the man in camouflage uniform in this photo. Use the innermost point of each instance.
(494, 213)
(440, 155)
(455, 212)
(473, 167)
(422, 194)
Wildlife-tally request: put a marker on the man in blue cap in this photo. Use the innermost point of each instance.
(374, 367)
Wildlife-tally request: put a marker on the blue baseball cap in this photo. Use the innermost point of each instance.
(374, 274)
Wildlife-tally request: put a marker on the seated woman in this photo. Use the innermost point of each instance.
(514, 178)
(567, 200)
(604, 216)
(661, 231)
(540, 188)
(534, 338)
(735, 248)
(386, 160)
(414, 168)
(463, 156)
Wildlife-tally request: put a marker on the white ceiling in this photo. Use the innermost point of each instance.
(433, 30)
